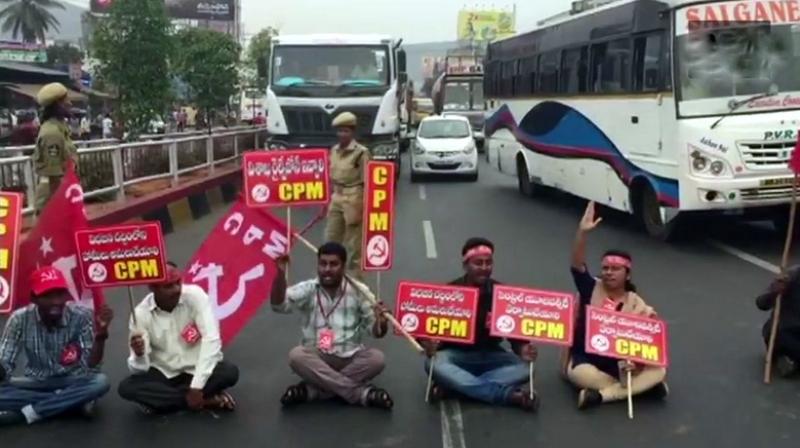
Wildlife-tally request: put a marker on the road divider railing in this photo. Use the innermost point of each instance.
(108, 169)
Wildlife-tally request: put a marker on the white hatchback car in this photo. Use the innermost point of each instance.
(444, 145)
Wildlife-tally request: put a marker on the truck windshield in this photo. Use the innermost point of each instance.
(742, 60)
(463, 96)
(330, 66)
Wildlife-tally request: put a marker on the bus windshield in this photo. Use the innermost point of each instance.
(746, 59)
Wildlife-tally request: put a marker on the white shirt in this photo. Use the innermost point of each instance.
(165, 347)
(107, 125)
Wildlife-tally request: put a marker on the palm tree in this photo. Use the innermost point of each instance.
(29, 18)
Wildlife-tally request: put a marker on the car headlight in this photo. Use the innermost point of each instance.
(418, 149)
(469, 149)
(709, 166)
(385, 149)
(276, 146)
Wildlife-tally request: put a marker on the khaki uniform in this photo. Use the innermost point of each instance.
(345, 214)
(54, 148)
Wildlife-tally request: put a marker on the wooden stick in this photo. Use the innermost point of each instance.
(532, 379)
(369, 297)
(133, 309)
(288, 237)
(630, 396)
(776, 315)
(430, 380)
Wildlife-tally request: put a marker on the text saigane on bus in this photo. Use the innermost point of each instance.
(656, 108)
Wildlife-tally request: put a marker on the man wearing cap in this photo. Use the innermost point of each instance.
(484, 370)
(54, 147)
(348, 159)
(62, 349)
(176, 352)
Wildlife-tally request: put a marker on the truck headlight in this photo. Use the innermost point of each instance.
(385, 149)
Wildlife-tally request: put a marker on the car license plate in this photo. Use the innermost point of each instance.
(780, 182)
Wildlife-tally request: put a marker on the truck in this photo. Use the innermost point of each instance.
(313, 78)
(459, 90)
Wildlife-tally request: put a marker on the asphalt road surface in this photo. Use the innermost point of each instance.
(703, 287)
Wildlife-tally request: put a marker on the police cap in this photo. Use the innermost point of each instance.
(51, 93)
(345, 119)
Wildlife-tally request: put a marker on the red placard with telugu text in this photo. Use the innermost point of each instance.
(533, 315)
(124, 255)
(626, 336)
(281, 178)
(10, 227)
(441, 312)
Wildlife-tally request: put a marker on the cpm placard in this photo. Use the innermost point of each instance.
(533, 315)
(626, 336)
(296, 177)
(121, 255)
(441, 312)
(378, 228)
(10, 226)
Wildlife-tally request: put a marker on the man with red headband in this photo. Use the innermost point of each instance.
(600, 378)
(484, 370)
(176, 352)
(62, 349)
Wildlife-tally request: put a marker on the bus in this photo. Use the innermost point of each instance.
(661, 109)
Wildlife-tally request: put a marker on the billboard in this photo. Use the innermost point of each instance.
(486, 26)
(224, 10)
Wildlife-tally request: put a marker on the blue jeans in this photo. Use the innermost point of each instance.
(490, 376)
(52, 396)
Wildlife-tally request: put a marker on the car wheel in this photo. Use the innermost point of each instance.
(415, 177)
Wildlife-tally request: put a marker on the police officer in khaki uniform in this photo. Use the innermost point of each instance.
(348, 162)
(54, 147)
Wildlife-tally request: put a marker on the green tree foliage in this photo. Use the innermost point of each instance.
(30, 19)
(133, 45)
(63, 54)
(258, 53)
(207, 61)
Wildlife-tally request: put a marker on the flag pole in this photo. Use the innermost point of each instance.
(787, 247)
(369, 297)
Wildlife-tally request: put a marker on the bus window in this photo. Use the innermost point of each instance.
(647, 66)
(573, 71)
(548, 72)
(612, 66)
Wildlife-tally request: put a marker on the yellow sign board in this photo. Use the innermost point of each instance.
(486, 25)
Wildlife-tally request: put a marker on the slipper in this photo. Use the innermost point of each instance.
(379, 398)
(295, 395)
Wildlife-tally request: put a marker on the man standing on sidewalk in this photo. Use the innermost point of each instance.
(332, 361)
(61, 347)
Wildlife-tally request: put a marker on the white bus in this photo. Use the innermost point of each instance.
(657, 108)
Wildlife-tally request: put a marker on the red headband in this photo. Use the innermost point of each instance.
(616, 260)
(477, 252)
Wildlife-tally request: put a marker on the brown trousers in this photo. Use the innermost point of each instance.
(587, 376)
(331, 375)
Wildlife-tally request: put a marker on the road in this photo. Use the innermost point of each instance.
(704, 292)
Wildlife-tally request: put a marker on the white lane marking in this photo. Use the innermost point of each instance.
(752, 259)
(422, 193)
(430, 241)
(452, 425)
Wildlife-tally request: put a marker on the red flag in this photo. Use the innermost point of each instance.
(236, 265)
(52, 242)
(794, 164)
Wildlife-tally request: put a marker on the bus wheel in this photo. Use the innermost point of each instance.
(649, 213)
(524, 184)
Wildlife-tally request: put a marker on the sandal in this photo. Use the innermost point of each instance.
(295, 395)
(438, 393)
(224, 402)
(523, 400)
(379, 398)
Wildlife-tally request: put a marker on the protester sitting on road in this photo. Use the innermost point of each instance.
(600, 378)
(332, 361)
(176, 352)
(484, 370)
(787, 339)
(62, 349)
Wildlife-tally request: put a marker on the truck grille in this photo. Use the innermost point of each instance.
(310, 120)
(766, 155)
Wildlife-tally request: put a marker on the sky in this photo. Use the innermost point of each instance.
(414, 20)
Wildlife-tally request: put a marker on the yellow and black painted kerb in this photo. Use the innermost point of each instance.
(192, 207)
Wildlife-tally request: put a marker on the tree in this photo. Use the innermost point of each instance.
(63, 54)
(259, 51)
(133, 45)
(207, 61)
(29, 18)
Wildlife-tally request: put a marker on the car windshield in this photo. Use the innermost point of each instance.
(304, 66)
(463, 96)
(744, 60)
(444, 129)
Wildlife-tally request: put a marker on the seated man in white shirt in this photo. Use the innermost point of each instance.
(176, 352)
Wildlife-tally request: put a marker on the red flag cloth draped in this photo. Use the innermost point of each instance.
(52, 242)
(236, 265)
(794, 163)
